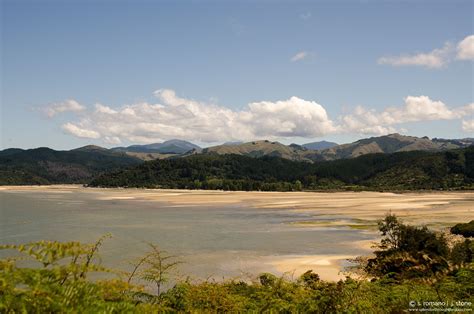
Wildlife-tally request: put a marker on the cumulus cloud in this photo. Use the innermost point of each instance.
(80, 132)
(465, 48)
(464, 111)
(415, 108)
(104, 109)
(299, 56)
(468, 126)
(288, 118)
(67, 105)
(177, 117)
(434, 59)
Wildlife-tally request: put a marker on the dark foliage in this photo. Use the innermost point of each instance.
(464, 229)
(407, 252)
(47, 166)
(402, 171)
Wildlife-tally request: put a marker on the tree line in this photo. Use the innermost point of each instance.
(404, 171)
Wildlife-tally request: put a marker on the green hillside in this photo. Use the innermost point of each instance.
(260, 149)
(175, 147)
(48, 166)
(400, 171)
(391, 143)
(386, 144)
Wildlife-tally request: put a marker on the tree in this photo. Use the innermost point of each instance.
(155, 267)
(298, 186)
(390, 229)
(408, 251)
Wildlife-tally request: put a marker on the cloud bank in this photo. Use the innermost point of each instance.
(176, 117)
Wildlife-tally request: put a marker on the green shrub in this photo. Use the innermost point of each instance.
(464, 229)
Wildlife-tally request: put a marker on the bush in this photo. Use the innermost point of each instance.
(464, 229)
(408, 251)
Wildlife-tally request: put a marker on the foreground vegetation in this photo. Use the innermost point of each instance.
(399, 171)
(412, 267)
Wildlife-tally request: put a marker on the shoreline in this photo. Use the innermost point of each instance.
(80, 185)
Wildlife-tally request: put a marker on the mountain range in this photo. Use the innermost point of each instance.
(315, 151)
(319, 145)
(80, 165)
(387, 144)
(392, 143)
(168, 147)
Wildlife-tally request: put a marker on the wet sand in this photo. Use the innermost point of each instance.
(437, 208)
(356, 210)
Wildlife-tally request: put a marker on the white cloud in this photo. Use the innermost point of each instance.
(465, 48)
(464, 111)
(67, 105)
(299, 56)
(434, 59)
(422, 108)
(468, 126)
(112, 140)
(288, 118)
(415, 108)
(104, 109)
(80, 132)
(178, 117)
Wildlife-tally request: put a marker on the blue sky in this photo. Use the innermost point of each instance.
(209, 60)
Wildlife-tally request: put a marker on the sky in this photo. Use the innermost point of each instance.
(115, 73)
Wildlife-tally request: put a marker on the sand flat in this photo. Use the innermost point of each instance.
(417, 207)
(352, 210)
(327, 266)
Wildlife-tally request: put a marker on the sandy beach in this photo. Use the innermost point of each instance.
(355, 210)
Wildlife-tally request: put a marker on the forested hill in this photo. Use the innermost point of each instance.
(399, 171)
(48, 166)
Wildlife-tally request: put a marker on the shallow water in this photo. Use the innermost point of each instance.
(213, 241)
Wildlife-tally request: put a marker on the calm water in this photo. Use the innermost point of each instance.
(223, 240)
